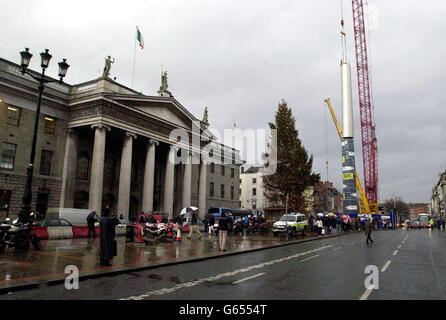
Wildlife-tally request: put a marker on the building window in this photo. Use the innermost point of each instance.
(211, 190)
(232, 192)
(254, 191)
(222, 191)
(222, 170)
(50, 125)
(232, 172)
(45, 162)
(82, 167)
(5, 198)
(81, 200)
(254, 180)
(13, 116)
(212, 168)
(8, 156)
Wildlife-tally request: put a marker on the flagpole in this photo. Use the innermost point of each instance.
(134, 55)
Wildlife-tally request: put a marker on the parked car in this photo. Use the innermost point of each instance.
(76, 217)
(55, 222)
(297, 222)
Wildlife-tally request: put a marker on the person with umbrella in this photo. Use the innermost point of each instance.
(91, 219)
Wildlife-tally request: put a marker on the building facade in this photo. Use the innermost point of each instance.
(437, 202)
(251, 189)
(327, 198)
(101, 143)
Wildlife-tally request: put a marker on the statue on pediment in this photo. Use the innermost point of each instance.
(108, 62)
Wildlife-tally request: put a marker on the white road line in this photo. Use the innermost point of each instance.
(395, 252)
(309, 258)
(386, 266)
(399, 247)
(367, 293)
(336, 248)
(249, 278)
(221, 275)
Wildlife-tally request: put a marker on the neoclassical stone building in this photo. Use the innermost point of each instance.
(101, 143)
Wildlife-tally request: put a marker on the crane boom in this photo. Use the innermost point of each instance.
(369, 141)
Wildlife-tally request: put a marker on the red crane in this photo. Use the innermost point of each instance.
(369, 142)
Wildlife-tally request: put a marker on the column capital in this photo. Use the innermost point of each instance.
(131, 134)
(152, 141)
(100, 126)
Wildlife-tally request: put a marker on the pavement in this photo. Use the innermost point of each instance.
(25, 269)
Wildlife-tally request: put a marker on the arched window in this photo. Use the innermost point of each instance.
(82, 166)
(81, 200)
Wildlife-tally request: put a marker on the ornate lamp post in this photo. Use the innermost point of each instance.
(42, 79)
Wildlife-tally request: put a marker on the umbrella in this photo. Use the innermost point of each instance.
(320, 214)
(91, 216)
(187, 210)
(331, 214)
(346, 219)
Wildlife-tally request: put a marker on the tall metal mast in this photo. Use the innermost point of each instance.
(369, 142)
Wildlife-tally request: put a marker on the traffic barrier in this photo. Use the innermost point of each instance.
(41, 232)
(80, 232)
(60, 232)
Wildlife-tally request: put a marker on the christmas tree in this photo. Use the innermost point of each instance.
(294, 167)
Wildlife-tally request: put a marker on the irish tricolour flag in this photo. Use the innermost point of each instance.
(139, 38)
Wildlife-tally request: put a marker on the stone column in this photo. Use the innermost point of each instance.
(202, 194)
(149, 177)
(169, 182)
(97, 168)
(125, 174)
(187, 181)
(69, 170)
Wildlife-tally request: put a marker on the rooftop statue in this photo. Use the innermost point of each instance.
(108, 62)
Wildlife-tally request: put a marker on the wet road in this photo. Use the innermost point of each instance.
(411, 265)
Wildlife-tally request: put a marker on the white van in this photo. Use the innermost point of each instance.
(77, 217)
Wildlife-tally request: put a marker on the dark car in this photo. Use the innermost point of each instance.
(53, 222)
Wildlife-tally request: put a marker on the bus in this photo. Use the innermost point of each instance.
(217, 211)
(423, 220)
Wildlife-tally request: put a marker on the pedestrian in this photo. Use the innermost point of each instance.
(368, 231)
(338, 224)
(211, 223)
(91, 220)
(223, 227)
(108, 248)
(194, 225)
(320, 226)
(121, 217)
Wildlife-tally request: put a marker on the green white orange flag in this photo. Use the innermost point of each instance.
(139, 38)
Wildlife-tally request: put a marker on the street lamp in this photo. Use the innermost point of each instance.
(42, 79)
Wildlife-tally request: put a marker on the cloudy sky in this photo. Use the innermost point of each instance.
(239, 58)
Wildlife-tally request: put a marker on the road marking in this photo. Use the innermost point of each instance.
(386, 266)
(336, 248)
(367, 293)
(221, 275)
(309, 258)
(249, 278)
(399, 247)
(395, 252)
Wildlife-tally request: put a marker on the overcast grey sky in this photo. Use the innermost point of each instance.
(239, 58)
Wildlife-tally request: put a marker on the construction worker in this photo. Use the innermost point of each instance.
(432, 224)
